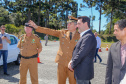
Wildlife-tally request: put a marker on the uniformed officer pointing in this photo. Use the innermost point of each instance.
(30, 47)
(68, 39)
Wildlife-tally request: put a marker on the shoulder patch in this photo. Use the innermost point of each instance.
(36, 35)
(22, 35)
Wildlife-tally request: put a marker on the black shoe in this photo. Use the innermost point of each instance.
(100, 61)
(6, 74)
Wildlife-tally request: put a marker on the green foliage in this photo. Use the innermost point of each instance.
(51, 38)
(47, 13)
(53, 13)
(108, 38)
(12, 29)
(94, 31)
(114, 10)
(4, 16)
(107, 29)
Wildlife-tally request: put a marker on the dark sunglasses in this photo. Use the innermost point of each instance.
(3, 29)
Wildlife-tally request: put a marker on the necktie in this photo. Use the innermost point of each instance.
(70, 35)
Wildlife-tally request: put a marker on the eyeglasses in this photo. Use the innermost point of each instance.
(3, 29)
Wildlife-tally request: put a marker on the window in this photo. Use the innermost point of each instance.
(13, 40)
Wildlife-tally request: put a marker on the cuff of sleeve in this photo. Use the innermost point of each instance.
(72, 65)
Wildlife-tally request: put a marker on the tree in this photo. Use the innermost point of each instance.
(90, 4)
(4, 16)
(114, 9)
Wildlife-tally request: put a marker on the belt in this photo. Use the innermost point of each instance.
(33, 56)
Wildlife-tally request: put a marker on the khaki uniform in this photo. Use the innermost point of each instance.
(28, 47)
(64, 53)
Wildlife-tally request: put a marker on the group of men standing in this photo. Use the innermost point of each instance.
(76, 53)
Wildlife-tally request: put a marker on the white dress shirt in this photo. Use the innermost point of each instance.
(98, 42)
(83, 32)
(123, 81)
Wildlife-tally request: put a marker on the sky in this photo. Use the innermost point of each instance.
(87, 12)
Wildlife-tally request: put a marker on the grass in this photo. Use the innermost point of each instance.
(104, 44)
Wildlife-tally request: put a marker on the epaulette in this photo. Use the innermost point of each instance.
(36, 35)
(22, 35)
(66, 29)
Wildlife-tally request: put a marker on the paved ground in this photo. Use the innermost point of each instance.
(48, 68)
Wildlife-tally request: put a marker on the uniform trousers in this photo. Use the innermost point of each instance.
(31, 65)
(63, 73)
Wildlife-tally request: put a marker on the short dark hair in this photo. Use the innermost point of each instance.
(85, 19)
(121, 23)
(2, 26)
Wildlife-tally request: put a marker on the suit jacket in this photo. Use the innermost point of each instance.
(66, 47)
(114, 70)
(83, 55)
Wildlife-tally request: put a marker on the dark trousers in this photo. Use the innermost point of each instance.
(5, 55)
(83, 81)
(96, 55)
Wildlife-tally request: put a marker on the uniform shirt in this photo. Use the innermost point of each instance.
(66, 47)
(29, 45)
(98, 42)
(5, 43)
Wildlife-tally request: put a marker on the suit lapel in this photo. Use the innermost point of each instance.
(119, 53)
(124, 65)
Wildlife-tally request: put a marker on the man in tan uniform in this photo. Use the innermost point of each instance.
(68, 39)
(30, 47)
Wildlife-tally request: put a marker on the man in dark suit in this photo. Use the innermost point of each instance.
(116, 65)
(84, 52)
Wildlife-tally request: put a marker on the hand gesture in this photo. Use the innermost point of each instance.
(69, 66)
(3, 37)
(31, 23)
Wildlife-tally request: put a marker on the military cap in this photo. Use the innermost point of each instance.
(28, 25)
(72, 19)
